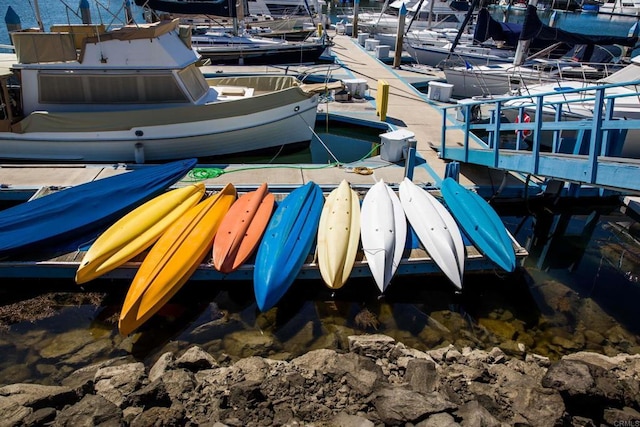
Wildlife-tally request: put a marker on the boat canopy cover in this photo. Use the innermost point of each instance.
(208, 7)
(534, 29)
(489, 28)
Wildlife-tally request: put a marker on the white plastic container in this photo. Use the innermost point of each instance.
(439, 91)
(382, 51)
(362, 38)
(371, 44)
(395, 144)
(357, 87)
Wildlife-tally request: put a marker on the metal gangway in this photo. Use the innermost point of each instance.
(582, 136)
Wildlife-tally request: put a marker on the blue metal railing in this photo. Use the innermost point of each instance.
(557, 135)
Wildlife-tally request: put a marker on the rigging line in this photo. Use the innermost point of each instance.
(324, 145)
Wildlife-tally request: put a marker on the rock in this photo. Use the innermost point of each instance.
(153, 394)
(114, 383)
(12, 413)
(585, 383)
(247, 343)
(398, 405)
(179, 384)
(473, 415)
(40, 417)
(253, 368)
(158, 416)
(82, 380)
(504, 330)
(347, 420)
(91, 411)
(165, 361)
(196, 359)
(421, 375)
(621, 417)
(373, 346)
(442, 419)
(37, 396)
(66, 343)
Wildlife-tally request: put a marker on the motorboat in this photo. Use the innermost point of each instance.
(421, 15)
(136, 94)
(496, 42)
(578, 99)
(620, 7)
(222, 47)
(501, 78)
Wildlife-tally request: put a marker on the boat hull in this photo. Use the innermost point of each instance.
(286, 244)
(242, 228)
(436, 229)
(220, 128)
(71, 213)
(172, 260)
(136, 231)
(338, 235)
(383, 232)
(480, 223)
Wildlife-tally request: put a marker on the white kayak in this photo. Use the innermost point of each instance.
(436, 229)
(383, 232)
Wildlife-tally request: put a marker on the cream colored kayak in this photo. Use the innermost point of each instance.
(436, 229)
(173, 259)
(383, 231)
(338, 235)
(136, 231)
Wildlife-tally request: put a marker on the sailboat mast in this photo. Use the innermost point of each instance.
(523, 45)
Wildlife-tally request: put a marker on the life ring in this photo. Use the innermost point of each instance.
(525, 119)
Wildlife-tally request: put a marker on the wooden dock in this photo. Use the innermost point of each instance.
(407, 109)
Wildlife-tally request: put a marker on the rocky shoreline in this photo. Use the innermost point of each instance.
(377, 382)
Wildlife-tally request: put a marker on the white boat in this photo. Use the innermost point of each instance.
(421, 15)
(383, 232)
(436, 229)
(288, 8)
(136, 94)
(620, 7)
(226, 48)
(578, 101)
(498, 79)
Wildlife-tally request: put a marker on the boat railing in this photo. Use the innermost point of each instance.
(545, 134)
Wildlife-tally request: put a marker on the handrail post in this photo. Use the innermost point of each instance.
(596, 136)
(608, 115)
(443, 134)
(496, 134)
(556, 133)
(535, 151)
(467, 129)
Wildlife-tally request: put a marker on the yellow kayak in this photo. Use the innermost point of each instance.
(136, 231)
(338, 235)
(173, 259)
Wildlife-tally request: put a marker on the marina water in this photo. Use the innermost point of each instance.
(577, 291)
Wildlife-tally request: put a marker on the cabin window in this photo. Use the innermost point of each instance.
(63, 88)
(194, 82)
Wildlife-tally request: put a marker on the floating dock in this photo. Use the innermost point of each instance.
(407, 109)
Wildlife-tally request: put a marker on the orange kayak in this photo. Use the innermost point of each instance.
(173, 259)
(242, 228)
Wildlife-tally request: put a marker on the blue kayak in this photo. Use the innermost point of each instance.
(65, 215)
(481, 224)
(286, 244)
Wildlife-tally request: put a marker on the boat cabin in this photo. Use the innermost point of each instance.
(152, 66)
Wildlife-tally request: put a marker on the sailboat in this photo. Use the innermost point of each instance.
(239, 46)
